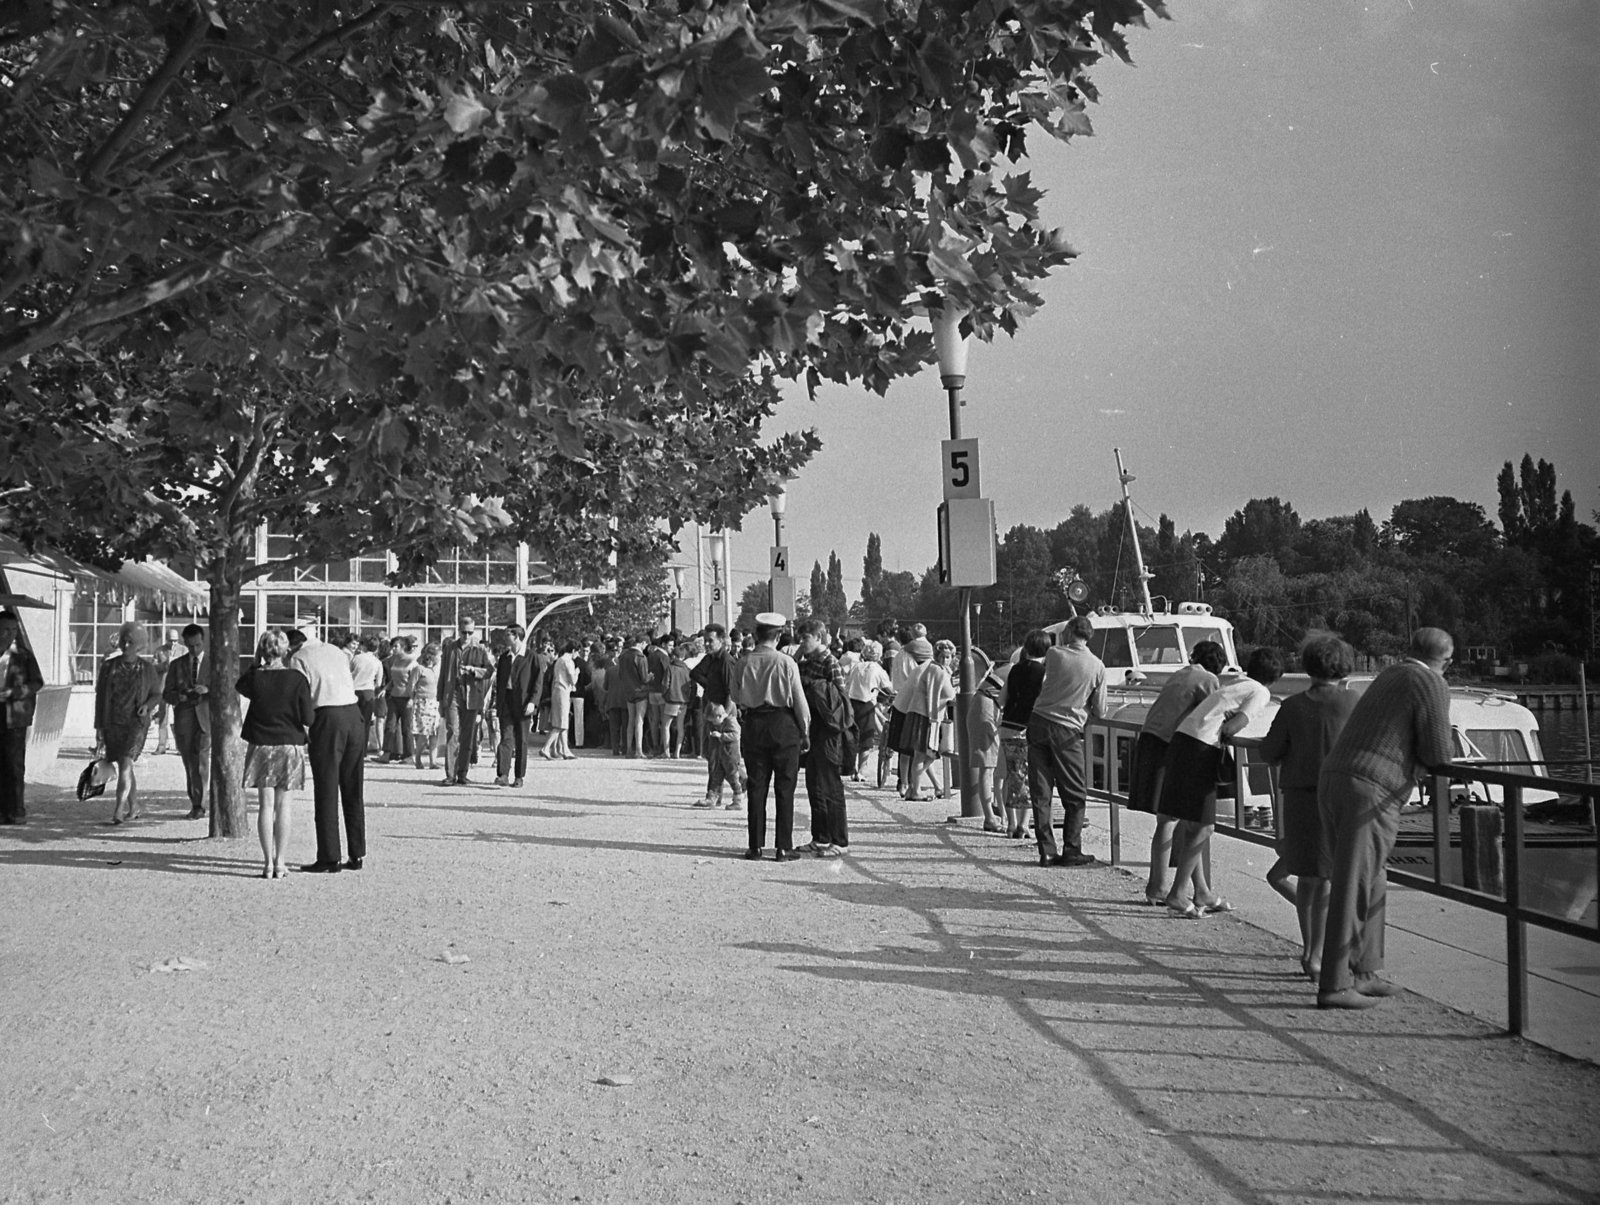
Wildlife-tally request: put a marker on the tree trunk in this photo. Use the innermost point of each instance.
(229, 815)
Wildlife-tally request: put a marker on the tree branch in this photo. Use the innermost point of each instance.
(147, 100)
(36, 336)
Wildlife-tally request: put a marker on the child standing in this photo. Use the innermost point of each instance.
(724, 760)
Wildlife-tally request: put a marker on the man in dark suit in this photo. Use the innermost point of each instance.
(185, 696)
(474, 678)
(514, 675)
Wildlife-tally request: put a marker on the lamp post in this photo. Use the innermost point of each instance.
(977, 624)
(718, 546)
(780, 584)
(1000, 612)
(951, 347)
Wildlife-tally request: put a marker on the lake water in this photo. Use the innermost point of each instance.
(1561, 734)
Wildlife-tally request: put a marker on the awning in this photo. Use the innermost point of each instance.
(148, 582)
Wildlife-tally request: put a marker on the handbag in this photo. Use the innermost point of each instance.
(93, 780)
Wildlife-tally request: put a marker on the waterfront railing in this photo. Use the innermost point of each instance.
(1496, 885)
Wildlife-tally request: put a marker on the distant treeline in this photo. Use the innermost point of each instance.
(1522, 587)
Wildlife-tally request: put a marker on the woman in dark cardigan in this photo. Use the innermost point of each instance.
(1301, 734)
(280, 715)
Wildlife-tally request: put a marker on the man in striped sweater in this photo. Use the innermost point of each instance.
(1399, 729)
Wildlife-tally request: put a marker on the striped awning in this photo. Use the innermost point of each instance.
(147, 582)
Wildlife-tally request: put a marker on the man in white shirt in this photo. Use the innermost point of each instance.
(337, 751)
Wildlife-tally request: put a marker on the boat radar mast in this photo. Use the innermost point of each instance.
(1146, 607)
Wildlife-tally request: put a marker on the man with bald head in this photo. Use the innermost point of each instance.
(1399, 730)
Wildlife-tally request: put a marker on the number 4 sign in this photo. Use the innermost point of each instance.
(961, 468)
(780, 559)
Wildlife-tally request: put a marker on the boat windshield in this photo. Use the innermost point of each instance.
(1199, 634)
(1158, 646)
(1499, 744)
(1111, 646)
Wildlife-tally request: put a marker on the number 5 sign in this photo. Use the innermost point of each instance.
(961, 468)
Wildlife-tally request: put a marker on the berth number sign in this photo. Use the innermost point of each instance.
(961, 468)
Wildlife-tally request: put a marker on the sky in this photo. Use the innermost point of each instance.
(1340, 253)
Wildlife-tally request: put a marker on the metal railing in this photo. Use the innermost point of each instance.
(1108, 751)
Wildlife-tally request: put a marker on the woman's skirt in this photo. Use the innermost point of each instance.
(1145, 774)
(1300, 845)
(983, 733)
(867, 726)
(124, 742)
(893, 736)
(1189, 780)
(282, 767)
(917, 734)
(1014, 793)
(424, 718)
(560, 708)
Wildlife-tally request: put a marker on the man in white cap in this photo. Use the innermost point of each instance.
(776, 721)
(338, 747)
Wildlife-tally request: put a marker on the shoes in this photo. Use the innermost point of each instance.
(1187, 911)
(1311, 970)
(830, 851)
(1216, 906)
(517, 783)
(704, 803)
(1373, 986)
(449, 781)
(384, 759)
(13, 820)
(352, 864)
(502, 781)
(752, 855)
(569, 757)
(786, 855)
(810, 847)
(196, 814)
(1155, 901)
(1073, 860)
(993, 826)
(1347, 998)
(735, 806)
(322, 868)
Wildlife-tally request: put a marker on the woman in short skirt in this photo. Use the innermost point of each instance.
(425, 706)
(280, 715)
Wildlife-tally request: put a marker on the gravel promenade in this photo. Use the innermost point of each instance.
(578, 992)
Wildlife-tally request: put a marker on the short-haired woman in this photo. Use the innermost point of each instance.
(127, 692)
(280, 715)
(1302, 732)
(931, 690)
(424, 687)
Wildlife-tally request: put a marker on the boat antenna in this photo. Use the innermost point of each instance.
(1146, 607)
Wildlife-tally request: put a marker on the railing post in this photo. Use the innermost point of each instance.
(1114, 780)
(1516, 929)
(1441, 825)
(1240, 780)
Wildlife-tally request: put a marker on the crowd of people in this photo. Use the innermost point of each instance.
(761, 706)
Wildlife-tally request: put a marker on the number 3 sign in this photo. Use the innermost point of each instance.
(961, 468)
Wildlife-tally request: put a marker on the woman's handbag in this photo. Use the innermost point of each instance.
(93, 780)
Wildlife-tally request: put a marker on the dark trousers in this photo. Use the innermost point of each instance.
(825, 790)
(512, 751)
(397, 727)
(618, 724)
(771, 760)
(467, 739)
(1055, 764)
(338, 752)
(194, 747)
(13, 759)
(1360, 823)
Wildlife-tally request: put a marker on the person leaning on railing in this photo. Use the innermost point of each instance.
(1399, 729)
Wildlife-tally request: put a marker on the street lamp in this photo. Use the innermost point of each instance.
(780, 585)
(951, 346)
(718, 546)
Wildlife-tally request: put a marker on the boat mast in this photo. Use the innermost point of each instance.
(1146, 607)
